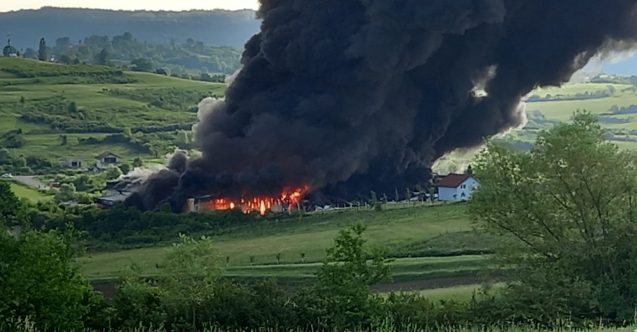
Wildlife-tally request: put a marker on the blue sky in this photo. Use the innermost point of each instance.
(626, 67)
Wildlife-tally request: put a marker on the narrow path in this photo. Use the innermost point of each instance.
(31, 181)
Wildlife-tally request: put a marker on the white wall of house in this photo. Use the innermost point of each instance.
(462, 193)
(107, 161)
(72, 163)
(466, 189)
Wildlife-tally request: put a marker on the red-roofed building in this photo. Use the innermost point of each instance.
(456, 187)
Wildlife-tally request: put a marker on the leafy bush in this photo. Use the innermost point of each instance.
(342, 298)
(13, 139)
(571, 221)
(40, 280)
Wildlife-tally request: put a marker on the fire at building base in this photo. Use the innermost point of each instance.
(288, 201)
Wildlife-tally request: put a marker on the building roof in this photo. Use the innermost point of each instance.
(113, 198)
(106, 154)
(453, 180)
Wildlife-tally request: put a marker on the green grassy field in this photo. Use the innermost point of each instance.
(252, 252)
(619, 95)
(102, 95)
(30, 194)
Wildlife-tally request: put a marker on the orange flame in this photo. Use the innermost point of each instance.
(288, 200)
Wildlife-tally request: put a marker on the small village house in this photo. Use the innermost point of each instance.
(71, 162)
(456, 187)
(107, 159)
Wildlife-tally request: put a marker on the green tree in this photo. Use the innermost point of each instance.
(72, 108)
(342, 298)
(83, 183)
(5, 157)
(20, 162)
(125, 168)
(138, 301)
(66, 59)
(40, 281)
(14, 140)
(113, 172)
(30, 53)
(138, 162)
(42, 51)
(10, 206)
(62, 45)
(569, 208)
(103, 57)
(192, 269)
(66, 193)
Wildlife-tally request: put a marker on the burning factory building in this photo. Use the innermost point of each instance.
(345, 97)
(289, 201)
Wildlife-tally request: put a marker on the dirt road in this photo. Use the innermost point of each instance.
(31, 181)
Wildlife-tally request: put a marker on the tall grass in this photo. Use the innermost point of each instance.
(27, 325)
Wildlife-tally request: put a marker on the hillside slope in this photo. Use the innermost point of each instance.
(219, 27)
(55, 111)
(614, 104)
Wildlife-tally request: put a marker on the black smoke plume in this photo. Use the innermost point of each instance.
(348, 96)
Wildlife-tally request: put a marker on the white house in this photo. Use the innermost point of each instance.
(456, 187)
(107, 159)
(71, 162)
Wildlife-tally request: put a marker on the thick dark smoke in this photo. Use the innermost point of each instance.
(348, 96)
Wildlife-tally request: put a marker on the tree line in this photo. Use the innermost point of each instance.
(185, 59)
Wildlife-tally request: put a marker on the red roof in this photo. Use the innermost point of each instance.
(452, 180)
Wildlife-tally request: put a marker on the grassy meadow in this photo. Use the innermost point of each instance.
(601, 99)
(102, 96)
(30, 194)
(426, 242)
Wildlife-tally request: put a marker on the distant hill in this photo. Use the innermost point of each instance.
(218, 27)
(188, 59)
